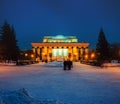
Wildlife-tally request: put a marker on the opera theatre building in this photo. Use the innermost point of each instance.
(59, 48)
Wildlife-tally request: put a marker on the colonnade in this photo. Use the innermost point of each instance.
(45, 53)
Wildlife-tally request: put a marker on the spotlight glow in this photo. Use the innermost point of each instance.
(59, 52)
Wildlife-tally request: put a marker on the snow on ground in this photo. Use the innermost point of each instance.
(111, 64)
(83, 84)
(22, 96)
(5, 64)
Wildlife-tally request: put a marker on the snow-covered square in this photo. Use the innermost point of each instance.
(83, 84)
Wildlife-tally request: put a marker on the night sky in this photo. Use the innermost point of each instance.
(33, 19)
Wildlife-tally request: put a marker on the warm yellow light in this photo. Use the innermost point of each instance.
(26, 54)
(32, 55)
(86, 56)
(92, 55)
(75, 53)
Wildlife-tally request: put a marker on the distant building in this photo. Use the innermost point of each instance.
(59, 47)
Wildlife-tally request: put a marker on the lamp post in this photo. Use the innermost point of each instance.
(86, 57)
(92, 56)
(32, 56)
(26, 56)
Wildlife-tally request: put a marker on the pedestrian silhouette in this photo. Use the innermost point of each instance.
(68, 64)
(65, 64)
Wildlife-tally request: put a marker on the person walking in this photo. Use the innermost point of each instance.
(70, 64)
(65, 64)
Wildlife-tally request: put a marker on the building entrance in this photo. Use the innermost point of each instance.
(59, 54)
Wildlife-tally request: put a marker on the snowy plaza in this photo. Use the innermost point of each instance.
(83, 84)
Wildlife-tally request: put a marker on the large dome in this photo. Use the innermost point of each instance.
(59, 37)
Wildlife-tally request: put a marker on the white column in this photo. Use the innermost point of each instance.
(33, 49)
(38, 51)
(86, 50)
(81, 51)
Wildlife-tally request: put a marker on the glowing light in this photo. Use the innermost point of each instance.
(54, 52)
(59, 52)
(86, 57)
(92, 55)
(43, 53)
(75, 54)
(65, 52)
(26, 54)
(32, 55)
(59, 37)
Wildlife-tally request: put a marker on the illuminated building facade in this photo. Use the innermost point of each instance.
(60, 47)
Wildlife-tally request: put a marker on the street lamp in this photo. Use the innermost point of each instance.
(86, 57)
(26, 54)
(92, 55)
(32, 55)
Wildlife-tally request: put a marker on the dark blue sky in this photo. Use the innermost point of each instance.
(32, 19)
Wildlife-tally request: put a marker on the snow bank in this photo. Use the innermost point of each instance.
(3, 64)
(22, 96)
(111, 65)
